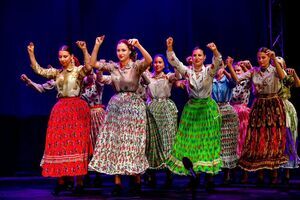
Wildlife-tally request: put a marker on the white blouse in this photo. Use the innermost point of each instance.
(197, 86)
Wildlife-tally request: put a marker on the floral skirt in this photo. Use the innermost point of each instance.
(198, 138)
(67, 139)
(121, 142)
(264, 146)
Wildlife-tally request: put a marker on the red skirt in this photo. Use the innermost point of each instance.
(67, 139)
(264, 146)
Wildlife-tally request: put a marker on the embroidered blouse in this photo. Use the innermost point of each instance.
(68, 81)
(198, 86)
(125, 79)
(264, 81)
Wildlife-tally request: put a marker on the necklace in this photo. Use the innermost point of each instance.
(158, 76)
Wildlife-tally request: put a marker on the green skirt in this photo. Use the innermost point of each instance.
(198, 138)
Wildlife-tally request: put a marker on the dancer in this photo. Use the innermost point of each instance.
(240, 101)
(92, 92)
(199, 132)
(67, 137)
(120, 147)
(164, 112)
(265, 141)
(222, 88)
(291, 79)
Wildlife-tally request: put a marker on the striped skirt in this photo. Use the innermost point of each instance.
(164, 118)
(154, 144)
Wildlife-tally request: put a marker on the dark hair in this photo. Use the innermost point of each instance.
(133, 54)
(65, 48)
(166, 68)
(263, 49)
(76, 61)
(68, 49)
(196, 48)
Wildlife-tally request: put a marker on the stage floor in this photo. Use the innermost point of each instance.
(39, 188)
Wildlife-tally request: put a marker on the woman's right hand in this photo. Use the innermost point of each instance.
(99, 40)
(81, 44)
(170, 42)
(25, 78)
(30, 48)
(212, 46)
(290, 71)
(229, 61)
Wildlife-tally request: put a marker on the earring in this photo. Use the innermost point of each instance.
(73, 62)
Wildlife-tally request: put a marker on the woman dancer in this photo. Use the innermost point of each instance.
(265, 141)
(199, 133)
(67, 137)
(120, 147)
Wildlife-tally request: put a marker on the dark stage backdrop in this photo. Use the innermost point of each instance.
(238, 28)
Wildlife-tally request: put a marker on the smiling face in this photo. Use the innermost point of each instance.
(198, 57)
(123, 52)
(65, 58)
(158, 64)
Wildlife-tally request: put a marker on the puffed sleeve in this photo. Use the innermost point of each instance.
(103, 79)
(49, 73)
(175, 62)
(216, 65)
(49, 85)
(102, 65)
(246, 75)
(141, 66)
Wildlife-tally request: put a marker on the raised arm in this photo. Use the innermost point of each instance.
(247, 64)
(86, 55)
(293, 72)
(173, 60)
(30, 50)
(47, 73)
(279, 69)
(147, 57)
(227, 74)
(217, 57)
(229, 62)
(93, 62)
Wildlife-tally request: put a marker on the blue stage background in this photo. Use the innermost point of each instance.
(238, 28)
